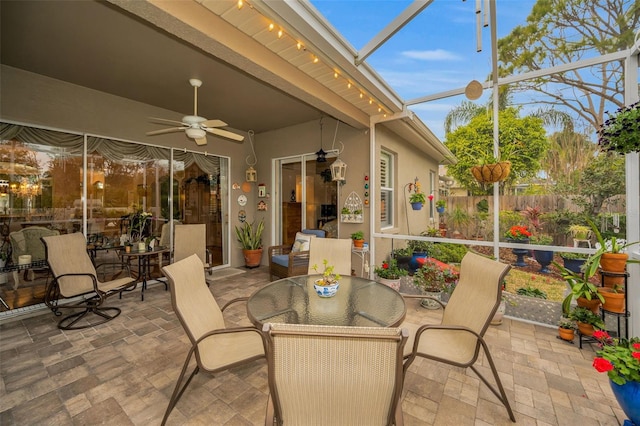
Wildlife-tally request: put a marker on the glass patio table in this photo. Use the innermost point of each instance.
(359, 302)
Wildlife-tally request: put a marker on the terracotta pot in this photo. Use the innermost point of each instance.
(566, 334)
(585, 329)
(592, 304)
(358, 243)
(614, 262)
(252, 257)
(613, 302)
(490, 173)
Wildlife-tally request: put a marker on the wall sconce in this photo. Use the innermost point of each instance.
(338, 171)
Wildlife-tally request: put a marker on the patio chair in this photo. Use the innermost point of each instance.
(191, 239)
(216, 347)
(467, 315)
(333, 375)
(291, 260)
(336, 251)
(74, 276)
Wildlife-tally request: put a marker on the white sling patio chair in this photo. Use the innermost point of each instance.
(333, 375)
(458, 338)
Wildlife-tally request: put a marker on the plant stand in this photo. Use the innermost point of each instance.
(625, 314)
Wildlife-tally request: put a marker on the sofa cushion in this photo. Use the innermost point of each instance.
(281, 259)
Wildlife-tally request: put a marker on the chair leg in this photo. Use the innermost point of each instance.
(92, 307)
(501, 395)
(177, 392)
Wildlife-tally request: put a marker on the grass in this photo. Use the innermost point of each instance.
(554, 288)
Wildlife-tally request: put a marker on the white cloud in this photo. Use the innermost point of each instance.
(431, 55)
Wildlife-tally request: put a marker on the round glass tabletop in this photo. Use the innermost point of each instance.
(358, 302)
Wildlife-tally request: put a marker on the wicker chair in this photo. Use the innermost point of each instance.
(284, 262)
(216, 347)
(336, 251)
(467, 315)
(330, 375)
(74, 275)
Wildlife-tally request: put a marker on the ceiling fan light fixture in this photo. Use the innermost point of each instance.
(196, 133)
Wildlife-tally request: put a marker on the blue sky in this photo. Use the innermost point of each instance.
(435, 52)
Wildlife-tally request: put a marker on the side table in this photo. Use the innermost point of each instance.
(363, 254)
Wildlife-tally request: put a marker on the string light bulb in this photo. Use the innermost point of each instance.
(335, 74)
(280, 33)
(299, 45)
(240, 4)
(349, 85)
(271, 26)
(315, 59)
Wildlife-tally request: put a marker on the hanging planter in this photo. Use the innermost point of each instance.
(490, 173)
(416, 206)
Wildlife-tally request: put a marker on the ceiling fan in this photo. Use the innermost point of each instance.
(197, 127)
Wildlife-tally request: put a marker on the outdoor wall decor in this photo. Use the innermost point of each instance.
(352, 209)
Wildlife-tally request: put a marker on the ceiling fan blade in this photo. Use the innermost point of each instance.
(164, 120)
(226, 134)
(213, 123)
(163, 131)
(201, 141)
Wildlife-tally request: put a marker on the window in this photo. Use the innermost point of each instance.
(386, 189)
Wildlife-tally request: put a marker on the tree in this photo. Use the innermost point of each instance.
(563, 31)
(522, 141)
(568, 154)
(602, 178)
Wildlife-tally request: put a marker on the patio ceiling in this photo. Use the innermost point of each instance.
(146, 51)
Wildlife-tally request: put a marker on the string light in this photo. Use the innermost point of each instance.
(314, 58)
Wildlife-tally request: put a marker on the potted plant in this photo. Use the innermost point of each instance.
(613, 298)
(327, 285)
(518, 234)
(441, 205)
(345, 214)
(250, 239)
(585, 293)
(620, 359)
(389, 274)
(490, 169)
(433, 277)
(610, 255)
(417, 197)
(579, 232)
(587, 320)
(420, 250)
(566, 329)
(574, 261)
(358, 239)
(621, 131)
(543, 257)
(403, 257)
(459, 218)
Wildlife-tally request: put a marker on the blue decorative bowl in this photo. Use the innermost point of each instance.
(326, 290)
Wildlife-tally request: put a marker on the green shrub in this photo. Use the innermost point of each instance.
(448, 252)
(531, 292)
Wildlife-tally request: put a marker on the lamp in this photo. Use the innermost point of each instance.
(339, 167)
(338, 170)
(251, 175)
(196, 133)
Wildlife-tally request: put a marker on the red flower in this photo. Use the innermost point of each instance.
(602, 365)
(636, 346)
(385, 265)
(599, 334)
(636, 355)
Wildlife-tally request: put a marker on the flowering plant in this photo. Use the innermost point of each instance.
(435, 276)
(328, 277)
(621, 131)
(518, 233)
(138, 222)
(417, 196)
(619, 358)
(390, 271)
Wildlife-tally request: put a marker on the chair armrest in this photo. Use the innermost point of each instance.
(227, 331)
(276, 250)
(420, 296)
(232, 301)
